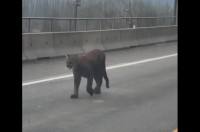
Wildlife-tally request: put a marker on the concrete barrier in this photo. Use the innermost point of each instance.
(111, 39)
(167, 34)
(23, 57)
(143, 35)
(172, 35)
(128, 38)
(156, 34)
(161, 34)
(148, 35)
(28, 47)
(67, 43)
(37, 45)
(91, 40)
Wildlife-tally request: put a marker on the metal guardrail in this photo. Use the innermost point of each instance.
(38, 24)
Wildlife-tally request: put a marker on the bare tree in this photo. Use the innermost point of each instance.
(97, 8)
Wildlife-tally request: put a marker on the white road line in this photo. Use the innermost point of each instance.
(138, 62)
(46, 80)
(108, 68)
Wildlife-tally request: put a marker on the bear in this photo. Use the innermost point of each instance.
(90, 65)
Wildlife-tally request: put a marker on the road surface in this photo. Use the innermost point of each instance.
(142, 96)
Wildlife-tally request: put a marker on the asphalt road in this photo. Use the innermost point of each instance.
(141, 98)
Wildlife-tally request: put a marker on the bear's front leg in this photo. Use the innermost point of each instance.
(89, 85)
(77, 80)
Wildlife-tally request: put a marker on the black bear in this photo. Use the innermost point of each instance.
(90, 65)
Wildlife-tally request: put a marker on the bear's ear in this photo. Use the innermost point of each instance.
(67, 55)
